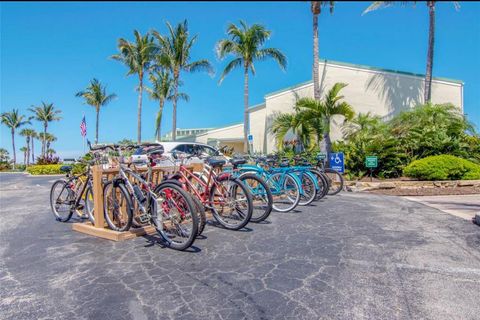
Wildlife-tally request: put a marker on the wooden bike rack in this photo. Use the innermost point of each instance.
(100, 229)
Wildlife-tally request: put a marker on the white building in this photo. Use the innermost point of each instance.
(381, 92)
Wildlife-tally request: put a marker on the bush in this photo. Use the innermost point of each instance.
(48, 159)
(443, 167)
(52, 169)
(5, 166)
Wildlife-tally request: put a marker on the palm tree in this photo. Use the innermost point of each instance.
(13, 120)
(96, 96)
(4, 157)
(162, 87)
(48, 138)
(25, 154)
(313, 112)
(51, 152)
(431, 38)
(45, 113)
(316, 8)
(333, 105)
(245, 43)
(294, 123)
(360, 123)
(27, 133)
(175, 55)
(137, 57)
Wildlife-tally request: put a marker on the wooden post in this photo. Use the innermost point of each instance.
(98, 196)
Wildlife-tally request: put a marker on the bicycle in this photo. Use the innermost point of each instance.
(226, 196)
(334, 178)
(168, 208)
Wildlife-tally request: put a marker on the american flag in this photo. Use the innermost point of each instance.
(83, 127)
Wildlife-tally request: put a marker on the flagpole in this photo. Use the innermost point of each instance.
(83, 136)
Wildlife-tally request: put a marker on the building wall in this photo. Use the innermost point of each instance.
(231, 133)
(382, 93)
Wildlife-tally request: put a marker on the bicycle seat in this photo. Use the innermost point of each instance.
(236, 161)
(283, 164)
(66, 168)
(216, 162)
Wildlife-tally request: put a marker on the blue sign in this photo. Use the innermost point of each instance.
(250, 137)
(336, 162)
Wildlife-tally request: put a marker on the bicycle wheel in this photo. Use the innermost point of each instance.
(285, 190)
(200, 211)
(309, 192)
(89, 207)
(335, 181)
(231, 203)
(174, 216)
(117, 206)
(322, 184)
(261, 196)
(62, 200)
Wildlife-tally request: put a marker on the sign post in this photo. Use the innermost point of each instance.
(336, 162)
(371, 162)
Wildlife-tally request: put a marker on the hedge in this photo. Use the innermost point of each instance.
(442, 167)
(42, 169)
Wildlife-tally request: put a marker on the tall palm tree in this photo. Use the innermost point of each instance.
(431, 38)
(24, 149)
(137, 56)
(162, 87)
(96, 96)
(27, 133)
(4, 157)
(13, 120)
(316, 8)
(175, 55)
(45, 113)
(245, 43)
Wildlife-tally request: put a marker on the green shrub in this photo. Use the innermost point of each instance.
(443, 167)
(42, 169)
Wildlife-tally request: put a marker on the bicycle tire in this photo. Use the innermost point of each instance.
(265, 212)
(275, 192)
(322, 181)
(128, 206)
(89, 205)
(339, 187)
(245, 217)
(69, 194)
(158, 221)
(308, 188)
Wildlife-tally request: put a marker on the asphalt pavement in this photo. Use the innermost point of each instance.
(351, 256)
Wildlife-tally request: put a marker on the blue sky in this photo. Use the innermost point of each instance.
(49, 51)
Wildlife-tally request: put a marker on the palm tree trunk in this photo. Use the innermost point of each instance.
(96, 125)
(175, 97)
(33, 153)
(27, 162)
(159, 119)
(44, 137)
(246, 125)
(139, 116)
(316, 75)
(431, 40)
(13, 146)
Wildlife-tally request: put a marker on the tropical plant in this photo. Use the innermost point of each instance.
(45, 113)
(48, 138)
(28, 134)
(175, 55)
(162, 87)
(294, 123)
(24, 149)
(137, 56)
(96, 96)
(245, 44)
(33, 136)
(443, 167)
(431, 38)
(4, 155)
(316, 8)
(13, 120)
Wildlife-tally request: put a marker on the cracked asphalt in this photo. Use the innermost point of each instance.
(351, 256)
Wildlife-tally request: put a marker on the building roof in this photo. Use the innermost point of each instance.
(364, 67)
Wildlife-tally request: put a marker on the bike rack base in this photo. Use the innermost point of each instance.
(108, 234)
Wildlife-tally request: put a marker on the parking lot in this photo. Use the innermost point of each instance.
(351, 256)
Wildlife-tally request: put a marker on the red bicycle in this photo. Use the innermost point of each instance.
(225, 195)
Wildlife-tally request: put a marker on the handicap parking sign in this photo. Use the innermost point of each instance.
(336, 162)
